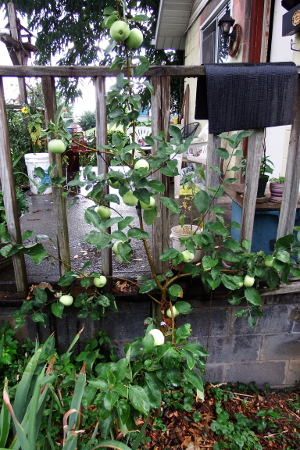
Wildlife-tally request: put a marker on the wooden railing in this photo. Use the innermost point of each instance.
(160, 79)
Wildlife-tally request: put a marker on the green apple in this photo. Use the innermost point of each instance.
(134, 39)
(66, 300)
(141, 164)
(151, 204)
(115, 247)
(104, 212)
(159, 338)
(240, 281)
(100, 282)
(249, 281)
(175, 312)
(119, 31)
(187, 256)
(129, 199)
(57, 146)
(269, 261)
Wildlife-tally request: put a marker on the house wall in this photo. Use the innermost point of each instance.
(241, 12)
(270, 352)
(277, 138)
(192, 57)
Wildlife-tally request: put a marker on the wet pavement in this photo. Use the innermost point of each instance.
(40, 219)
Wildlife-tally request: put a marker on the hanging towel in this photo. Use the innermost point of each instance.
(247, 96)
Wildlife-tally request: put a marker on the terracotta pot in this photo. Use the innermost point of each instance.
(276, 190)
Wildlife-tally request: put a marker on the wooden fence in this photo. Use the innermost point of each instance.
(160, 79)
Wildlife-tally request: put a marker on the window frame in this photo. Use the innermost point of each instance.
(212, 22)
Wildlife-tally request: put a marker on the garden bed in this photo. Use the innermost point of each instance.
(230, 417)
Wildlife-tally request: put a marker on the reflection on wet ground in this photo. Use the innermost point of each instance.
(40, 219)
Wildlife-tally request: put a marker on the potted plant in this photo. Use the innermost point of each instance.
(276, 189)
(264, 171)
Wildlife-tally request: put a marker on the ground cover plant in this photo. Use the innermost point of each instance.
(116, 394)
(51, 399)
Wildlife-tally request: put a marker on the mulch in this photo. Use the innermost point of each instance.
(182, 432)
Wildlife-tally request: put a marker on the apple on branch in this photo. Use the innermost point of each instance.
(119, 31)
(129, 199)
(141, 164)
(104, 212)
(100, 281)
(149, 206)
(135, 39)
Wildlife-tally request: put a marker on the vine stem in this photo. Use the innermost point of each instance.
(91, 148)
(147, 250)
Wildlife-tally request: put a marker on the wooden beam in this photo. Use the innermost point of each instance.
(102, 161)
(9, 198)
(13, 25)
(160, 107)
(98, 71)
(59, 202)
(255, 146)
(292, 177)
(292, 288)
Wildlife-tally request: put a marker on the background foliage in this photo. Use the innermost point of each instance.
(71, 30)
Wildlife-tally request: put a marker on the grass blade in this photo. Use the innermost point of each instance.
(20, 431)
(139, 437)
(24, 386)
(77, 398)
(4, 422)
(68, 352)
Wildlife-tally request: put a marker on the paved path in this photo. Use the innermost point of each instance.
(40, 219)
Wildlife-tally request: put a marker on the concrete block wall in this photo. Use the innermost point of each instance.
(268, 353)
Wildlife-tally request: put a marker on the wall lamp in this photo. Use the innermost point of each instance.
(235, 37)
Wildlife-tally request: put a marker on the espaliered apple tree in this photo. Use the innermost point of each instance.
(165, 356)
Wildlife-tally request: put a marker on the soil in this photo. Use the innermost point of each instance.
(279, 410)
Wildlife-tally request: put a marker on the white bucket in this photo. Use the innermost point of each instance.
(181, 232)
(33, 160)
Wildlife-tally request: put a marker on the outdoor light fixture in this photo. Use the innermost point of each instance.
(225, 23)
(234, 38)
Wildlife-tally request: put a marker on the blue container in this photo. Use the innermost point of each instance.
(264, 230)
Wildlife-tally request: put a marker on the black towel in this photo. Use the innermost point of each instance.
(247, 96)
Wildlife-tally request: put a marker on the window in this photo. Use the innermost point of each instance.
(213, 48)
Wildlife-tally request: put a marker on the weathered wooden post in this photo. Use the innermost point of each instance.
(292, 177)
(102, 161)
(9, 197)
(160, 106)
(255, 146)
(59, 202)
(16, 55)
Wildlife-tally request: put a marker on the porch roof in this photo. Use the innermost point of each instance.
(172, 23)
(174, 19)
